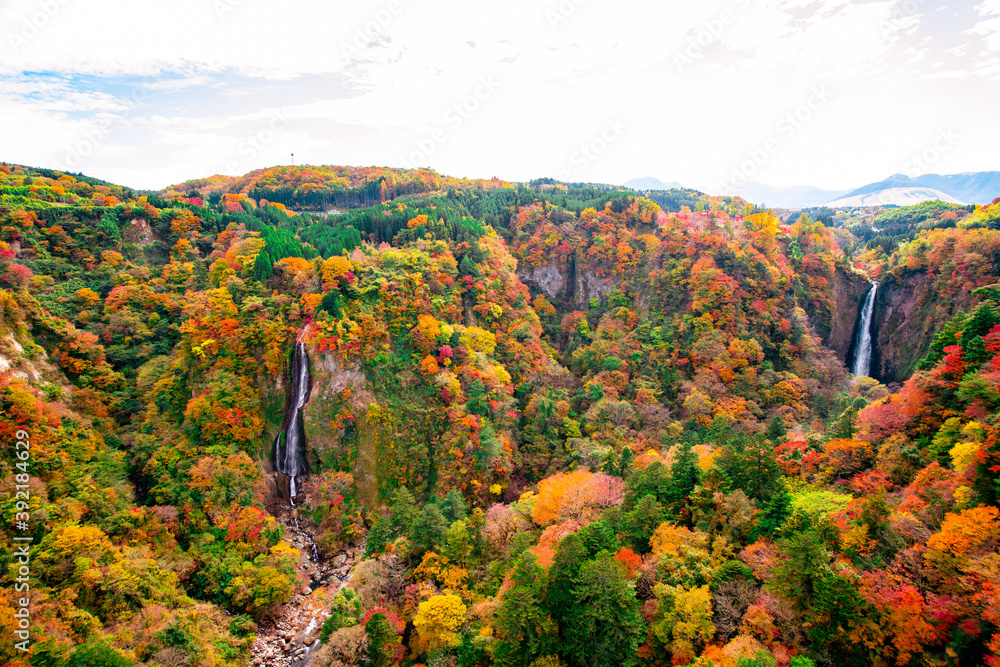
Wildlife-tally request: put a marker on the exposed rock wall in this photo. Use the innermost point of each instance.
(273, 390)
(546, 278)
(575, 289)
(910, 309)
(326, 443)
(139, 231)
(900, 329)
(32, 365)
(589, 286)
(848, 292)
(330, 378)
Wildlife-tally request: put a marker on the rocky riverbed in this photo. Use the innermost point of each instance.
(289, 640)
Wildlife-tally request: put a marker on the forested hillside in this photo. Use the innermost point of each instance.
(545, 425)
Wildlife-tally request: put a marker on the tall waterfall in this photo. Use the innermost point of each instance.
(289, 452)
(863, 346)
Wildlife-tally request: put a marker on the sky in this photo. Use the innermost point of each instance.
(828, 93)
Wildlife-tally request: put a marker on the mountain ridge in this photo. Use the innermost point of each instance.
(973, 187)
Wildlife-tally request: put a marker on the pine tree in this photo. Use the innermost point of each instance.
(599, 536)
(381, 640)
(263, 266)
(430, 530)
(776, 429)
(838, 620)
(683, 478)
(525, 630)
(749, 464)
(380, 535)
(642, 522)
(653, 480)
(564, 576)
(454, 507)
(603, 627)
(404, 511)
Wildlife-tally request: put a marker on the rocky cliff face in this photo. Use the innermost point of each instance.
(909, 310)
(324, 442)
(900, 328)
(573, 288)
(273, 390)
(330, 379)
(546, 278)
(848, 291)
(341, 389)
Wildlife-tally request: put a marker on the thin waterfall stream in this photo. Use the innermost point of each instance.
(289, 446)
(863, 349)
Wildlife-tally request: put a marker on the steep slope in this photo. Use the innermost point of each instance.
(928, 281)
(697, 294)
(847, 292)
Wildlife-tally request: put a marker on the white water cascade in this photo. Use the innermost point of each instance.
(289, 456)
(863, 346)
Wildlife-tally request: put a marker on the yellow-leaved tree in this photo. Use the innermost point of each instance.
(438, 620)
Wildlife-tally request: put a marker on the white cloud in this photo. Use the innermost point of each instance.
(58, 96)
(989, 26)
(372, 82)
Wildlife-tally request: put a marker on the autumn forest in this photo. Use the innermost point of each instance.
(360, 416)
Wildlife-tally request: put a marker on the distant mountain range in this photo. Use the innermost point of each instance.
(969, 188)
(801, 196)
(902, 196)
(650, 183)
